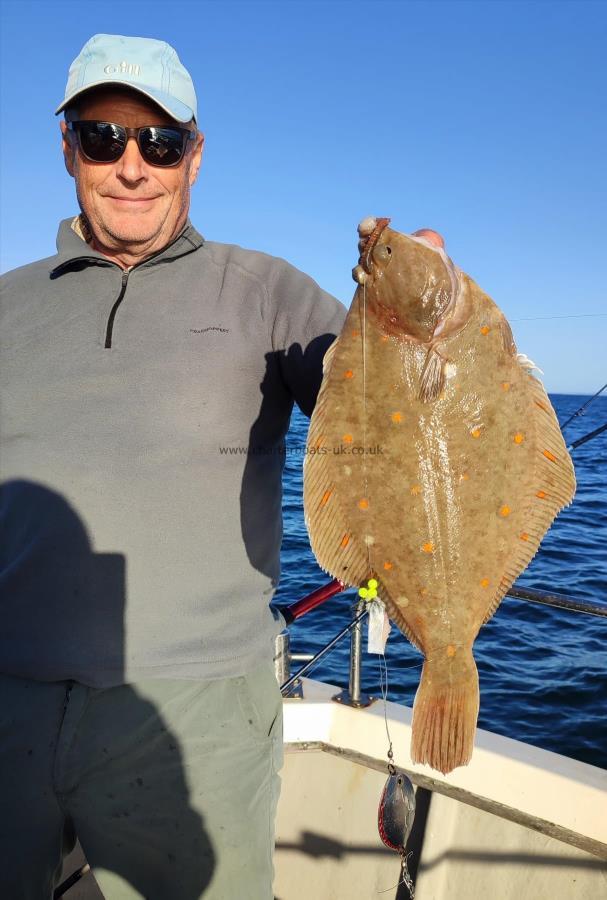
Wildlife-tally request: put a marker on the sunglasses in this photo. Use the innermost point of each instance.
(159, 145)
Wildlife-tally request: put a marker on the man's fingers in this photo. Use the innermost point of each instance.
(432, 236)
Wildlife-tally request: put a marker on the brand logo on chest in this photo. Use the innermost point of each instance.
(209, 328)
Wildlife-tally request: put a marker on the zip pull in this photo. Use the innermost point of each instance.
(112, 316)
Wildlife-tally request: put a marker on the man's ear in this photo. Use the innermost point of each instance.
(68, 145)
(196, 157)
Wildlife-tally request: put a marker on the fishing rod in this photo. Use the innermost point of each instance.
(311, 601)
(71, 881)
(580, 411)
(587, 437)
(558, 601)
(547, 598)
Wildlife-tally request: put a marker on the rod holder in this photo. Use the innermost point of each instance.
(353, 696)
(282, 664)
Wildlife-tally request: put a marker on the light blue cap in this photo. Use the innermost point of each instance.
(146, 65)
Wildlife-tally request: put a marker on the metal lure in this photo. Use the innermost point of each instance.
(396, 811)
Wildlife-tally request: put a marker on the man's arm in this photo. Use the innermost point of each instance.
(306, 322)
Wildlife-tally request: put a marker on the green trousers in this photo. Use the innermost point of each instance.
(170, 786)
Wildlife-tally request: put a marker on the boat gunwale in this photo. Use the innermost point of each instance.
(511, 814)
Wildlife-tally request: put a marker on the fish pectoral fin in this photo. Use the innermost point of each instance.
(433, 376)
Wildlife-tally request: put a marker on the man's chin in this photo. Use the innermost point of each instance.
(132, 230)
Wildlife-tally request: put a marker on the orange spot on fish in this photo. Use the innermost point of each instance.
(396, 417)
(428, 547)
(349, 374)
(345, 540)
(505, 385)
(524, 536)
(387, 565)
(485, 329)
(355, 334)
(484, 582)
(423, 592)
(464, 476)
(476, 432)
(319, 441)
(325, 498)
(385, 337)
(541, 494)
(451, 651)
(519, 438)
(416, 489)
(549, 455)
(504, 511)
(363, 504)
(347, 438)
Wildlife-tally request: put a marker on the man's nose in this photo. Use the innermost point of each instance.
(131, 165)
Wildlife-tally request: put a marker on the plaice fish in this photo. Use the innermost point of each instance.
(435, 464)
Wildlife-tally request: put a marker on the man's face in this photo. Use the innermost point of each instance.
(130, 204)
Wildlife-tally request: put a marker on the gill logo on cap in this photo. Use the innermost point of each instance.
(124, 68)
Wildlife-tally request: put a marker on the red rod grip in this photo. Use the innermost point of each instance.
(311, 601)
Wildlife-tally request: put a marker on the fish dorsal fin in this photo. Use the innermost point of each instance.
(336, 550)
(328, 357)
(553, 487)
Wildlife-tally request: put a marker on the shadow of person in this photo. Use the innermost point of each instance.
(101, 764)
(131, 807)
(292, 373)
(67, 600)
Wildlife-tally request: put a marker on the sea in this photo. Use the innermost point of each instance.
(542, 671)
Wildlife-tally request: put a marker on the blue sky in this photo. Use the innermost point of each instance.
(484, 120)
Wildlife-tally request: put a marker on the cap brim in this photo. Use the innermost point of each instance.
(174, 108)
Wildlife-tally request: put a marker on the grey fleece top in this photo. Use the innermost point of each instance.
(143, 418)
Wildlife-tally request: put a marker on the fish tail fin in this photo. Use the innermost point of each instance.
(446, 710)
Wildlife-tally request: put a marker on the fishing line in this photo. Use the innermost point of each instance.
(383, 686)
(549, 318)
(406, 879)
(404, 856)
(364, 330)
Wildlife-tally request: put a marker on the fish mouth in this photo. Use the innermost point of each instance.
(369, 231)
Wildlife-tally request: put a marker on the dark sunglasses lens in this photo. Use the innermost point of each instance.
(102, 141)
(161, 146)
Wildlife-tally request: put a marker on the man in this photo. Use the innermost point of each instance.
(149, 378)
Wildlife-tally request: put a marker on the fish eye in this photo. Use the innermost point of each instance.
(381, 252)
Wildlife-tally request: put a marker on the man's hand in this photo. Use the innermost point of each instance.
(432, 236)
